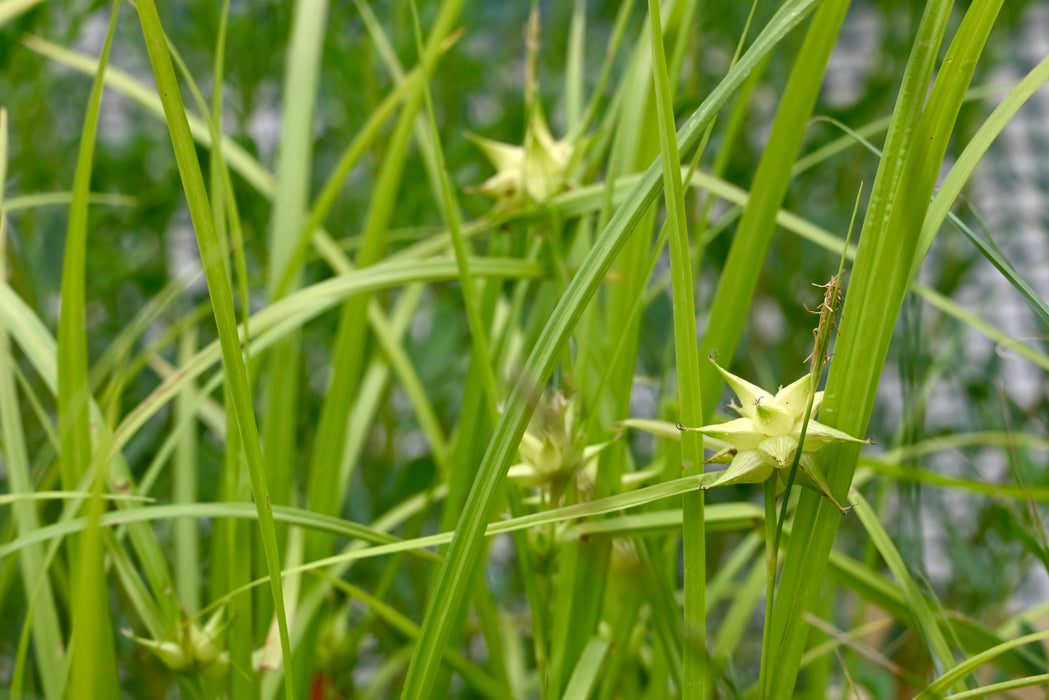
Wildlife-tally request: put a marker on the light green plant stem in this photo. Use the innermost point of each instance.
(294, 174)
(688, 380)
(184, 489)
(222, 305)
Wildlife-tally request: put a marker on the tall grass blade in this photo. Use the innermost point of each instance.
(94, 665)
(222, 304)
(688, 378)
(294, 174)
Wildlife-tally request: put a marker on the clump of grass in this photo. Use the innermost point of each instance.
(403, 434)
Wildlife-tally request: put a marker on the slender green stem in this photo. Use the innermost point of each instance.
(687, 354)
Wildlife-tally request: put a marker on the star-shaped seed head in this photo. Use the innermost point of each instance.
(534, 172)
(765, 437)
(195, 647)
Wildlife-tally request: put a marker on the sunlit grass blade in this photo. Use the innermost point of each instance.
(9, 9)
(184, 490)
(584, 676)
(56, 199)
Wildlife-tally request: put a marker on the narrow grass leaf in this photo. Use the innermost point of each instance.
(222, 305)
(687, 357)
(739, 278)
(584, 677)
(294, 173)
(939, 687)
(94, 666)
(924, 615)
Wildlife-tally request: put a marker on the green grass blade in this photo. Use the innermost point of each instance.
(296, 140)
(584, 676)
(9, 9)
(963, 168)
(939, 687)
(184, 489)
(954, 309)
(688, 377)
(233, 510)
(348, 350)
(919, 605)
(453, 218)
(294, 173)
(296, 309)
(574, 70)
(16, 497)
(94, 664)
(53, 199)
(29, 332)
(956, 179)
(222, 304)
(1001, 689)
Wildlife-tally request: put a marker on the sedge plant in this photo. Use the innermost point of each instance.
(358, 369)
